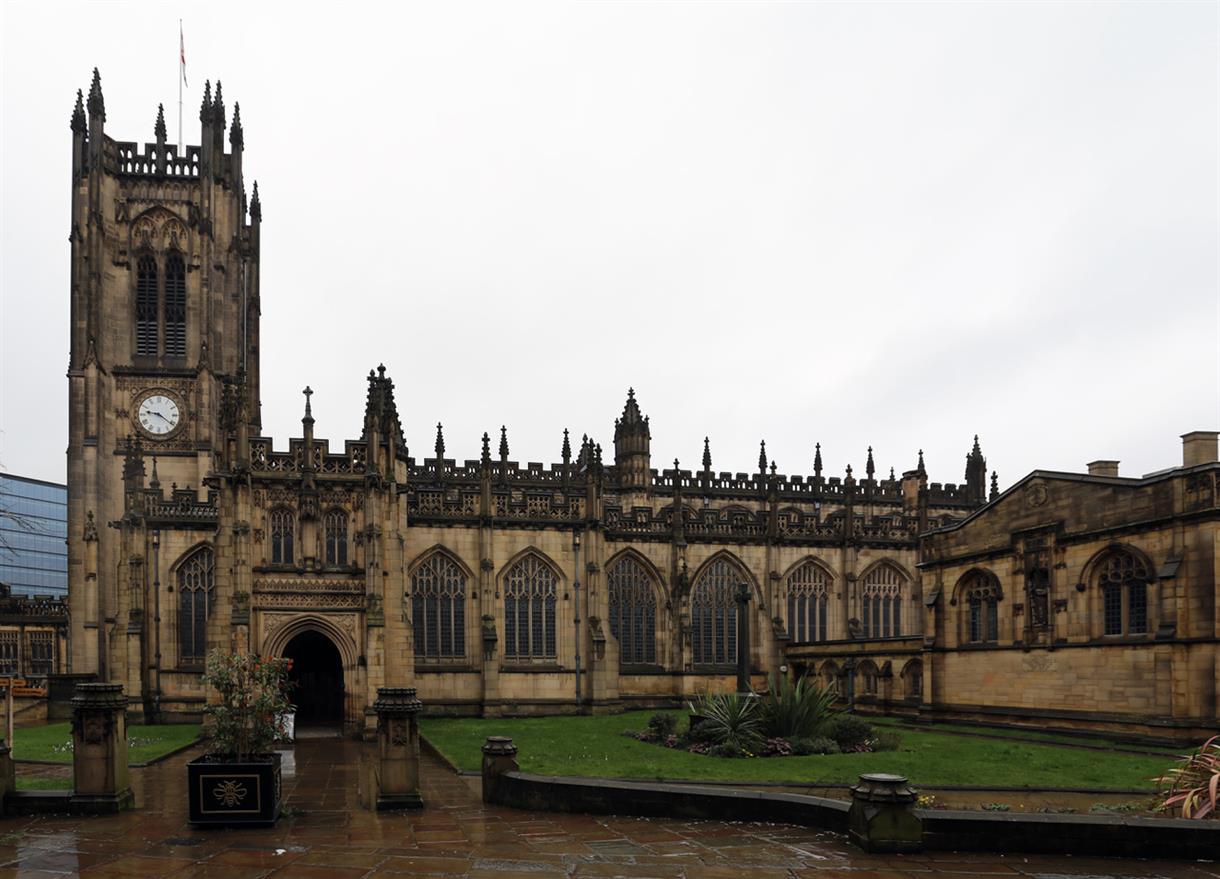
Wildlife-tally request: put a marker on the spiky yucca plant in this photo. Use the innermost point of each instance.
(730, 719)
(799, 709)
(1192, 788)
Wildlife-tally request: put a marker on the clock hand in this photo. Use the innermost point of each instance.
(162, 417)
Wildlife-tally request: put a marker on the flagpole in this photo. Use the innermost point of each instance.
(179, 88)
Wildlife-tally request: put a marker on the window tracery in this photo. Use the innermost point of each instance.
(808, 601)
(714, 613)
(283, 528)
(438, 601)
(529, 610)
(982, 596)
(633, 611)
(196, 592)
(334, 534)
(1123, 580)
(881, 602)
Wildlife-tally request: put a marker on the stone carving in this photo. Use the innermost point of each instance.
(1035, 494)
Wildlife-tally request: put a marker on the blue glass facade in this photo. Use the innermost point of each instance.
(33, 535)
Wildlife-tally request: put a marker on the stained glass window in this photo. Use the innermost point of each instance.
(633, 611)
(808, 602)
(283, 526)
(881, 600)
(1121, 574)
(196, 591)
(714, 613)
(438, 601)
(529, 610)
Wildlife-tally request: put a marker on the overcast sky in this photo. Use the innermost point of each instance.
(894, 225)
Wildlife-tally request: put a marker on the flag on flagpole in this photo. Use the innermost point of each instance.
(182, 55)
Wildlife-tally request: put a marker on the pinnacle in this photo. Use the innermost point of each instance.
(205, 109)
(503, 441)
(440, 441)
(707, 454)
(78, 114)
(159, 127)
(235, 132)
(97, 104)
(256, 213)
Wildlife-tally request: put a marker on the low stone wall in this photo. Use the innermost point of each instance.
(881, 816)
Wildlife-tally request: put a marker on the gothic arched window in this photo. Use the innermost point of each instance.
(912, 677)
(146, 306)
(881, 602)
(283, 528)
(438, 608)
(867, 675)
(808, 600)
(196, 591)
(529, 610)
(175, 306)
(982, 597)
(1123, 580)
(633, 611)
(713, 616)
(334, 533)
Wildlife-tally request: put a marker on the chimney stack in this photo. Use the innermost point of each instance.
(1103, 468)
(1200, 447)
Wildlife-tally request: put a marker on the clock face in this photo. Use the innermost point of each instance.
(159, 415)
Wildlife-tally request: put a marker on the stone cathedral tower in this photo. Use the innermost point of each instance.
(165, 308)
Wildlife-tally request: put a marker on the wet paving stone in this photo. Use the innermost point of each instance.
(328, 835)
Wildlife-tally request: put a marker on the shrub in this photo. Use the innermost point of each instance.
(728, 719)
(726, 750)
(248, 717)
(1193, 787)
(796, 710)
(887, 740)
(777, 747)
(663, 725)
(852, 733)
(816, 745)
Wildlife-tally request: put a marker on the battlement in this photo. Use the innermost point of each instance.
(124, 159)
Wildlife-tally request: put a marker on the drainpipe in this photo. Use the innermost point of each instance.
(576, 610)
(156, 542)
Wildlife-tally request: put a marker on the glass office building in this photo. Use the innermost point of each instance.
(33, 535)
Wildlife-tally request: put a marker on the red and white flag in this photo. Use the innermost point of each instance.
(182, 55)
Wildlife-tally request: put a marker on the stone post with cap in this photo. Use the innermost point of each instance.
(397, 711)
(499, 757)
(100, 778)
(882, 816)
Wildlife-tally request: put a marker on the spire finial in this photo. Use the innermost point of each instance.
(486, 448)
(256, 208)
(762, 456)
(707, 454)
(869, 469)
(159, 126)
(218, 108)
(205, 108)
(97, 104)
(566, 451)
(79, 125)
(440, 442)
(235, 131)
(919, 469)
(308, 392)
(817, 460)
(503, 442)
(891, 474)
(995, 485)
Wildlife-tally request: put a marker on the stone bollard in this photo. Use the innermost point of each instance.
(398, 748)
(882, 816)
(100, 780)
(499, 757)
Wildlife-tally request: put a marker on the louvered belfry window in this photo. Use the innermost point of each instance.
(438, 609)
(714, 614)
(529, 610)
(633, 611)
(196, 590)
(146, 306)
(175, 306)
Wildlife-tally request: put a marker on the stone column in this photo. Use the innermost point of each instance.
(882, 816)
(99, 749)
(397, 748)
(499, 757)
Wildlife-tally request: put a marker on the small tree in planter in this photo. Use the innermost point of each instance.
(238, 781)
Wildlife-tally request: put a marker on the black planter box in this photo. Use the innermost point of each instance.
(221, 791)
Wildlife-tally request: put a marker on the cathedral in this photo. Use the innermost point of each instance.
(596, 583)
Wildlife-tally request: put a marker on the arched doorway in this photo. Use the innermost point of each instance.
(317, 677)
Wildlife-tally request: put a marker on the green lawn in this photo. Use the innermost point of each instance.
(1096, 741)
(43, 783)
(595, 746)
(53, 742)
